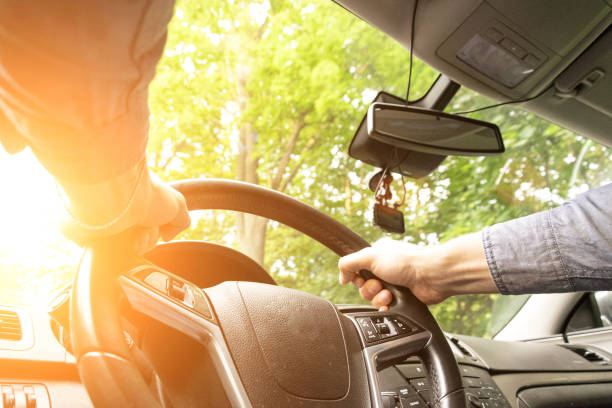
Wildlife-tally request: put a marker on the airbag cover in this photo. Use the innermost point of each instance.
(300, 337)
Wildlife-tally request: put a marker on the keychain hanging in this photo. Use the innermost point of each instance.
(386, 215)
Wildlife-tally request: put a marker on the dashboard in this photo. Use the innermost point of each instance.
(500, 374)
(38, 371)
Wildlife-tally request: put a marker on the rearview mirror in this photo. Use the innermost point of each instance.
(429, 131)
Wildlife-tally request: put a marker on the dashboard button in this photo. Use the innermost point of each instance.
(469, 371)
(412, 402)
(420, 384)
(473, 382)
(390, 401)
(482, 393)
(474, 401)
(427, 396)
(405, 391)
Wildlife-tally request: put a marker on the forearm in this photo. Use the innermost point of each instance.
(74, 90)
(460, 267)
(568, 248)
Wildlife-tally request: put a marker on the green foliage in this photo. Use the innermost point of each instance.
(309, 69)
(277, 89)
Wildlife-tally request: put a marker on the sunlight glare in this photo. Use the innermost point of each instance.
(33, 252)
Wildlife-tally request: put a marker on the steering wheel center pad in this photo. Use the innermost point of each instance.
(290, 348)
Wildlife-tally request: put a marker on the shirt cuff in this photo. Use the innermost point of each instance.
(107, 208)
(523, 256)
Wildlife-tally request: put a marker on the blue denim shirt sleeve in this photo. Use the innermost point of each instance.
(568, 248)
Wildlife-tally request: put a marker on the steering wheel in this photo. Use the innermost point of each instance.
(270, 346)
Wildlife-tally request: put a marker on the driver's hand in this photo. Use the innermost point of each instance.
(432, 273)
(395, 262)
(165, 216)
(137, 203)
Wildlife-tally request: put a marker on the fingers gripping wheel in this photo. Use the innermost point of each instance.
(106, 275)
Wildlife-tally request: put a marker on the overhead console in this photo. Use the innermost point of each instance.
(460, 39)
(512, 47)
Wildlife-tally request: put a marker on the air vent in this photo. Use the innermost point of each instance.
(10, 326)
(590, 355)
(463, 348)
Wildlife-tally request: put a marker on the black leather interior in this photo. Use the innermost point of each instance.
(253, 199)
(207, 264)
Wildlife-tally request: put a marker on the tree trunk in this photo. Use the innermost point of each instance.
(252, 241)
(250, 229)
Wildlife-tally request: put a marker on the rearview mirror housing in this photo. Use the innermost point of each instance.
(429, 131)
(401, 154)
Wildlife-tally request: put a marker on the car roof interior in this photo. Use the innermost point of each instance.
(555, 55)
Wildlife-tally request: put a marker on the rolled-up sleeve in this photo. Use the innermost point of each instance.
(568, 248)
(74, 77)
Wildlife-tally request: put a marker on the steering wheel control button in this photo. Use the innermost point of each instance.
(405, 391)
(382, 328)
(411, 371)
(427, 396)
(401, 326)
(412, 402)
(177, 289)
(183, 292)
(420, 384)
(390, 400)
(368, 329)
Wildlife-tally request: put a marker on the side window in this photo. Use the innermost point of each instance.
(603, 301)
(592, 311)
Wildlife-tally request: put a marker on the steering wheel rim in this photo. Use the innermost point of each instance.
(99, 344)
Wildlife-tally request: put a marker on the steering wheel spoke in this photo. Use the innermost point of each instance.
(182, 306)
(387, 339)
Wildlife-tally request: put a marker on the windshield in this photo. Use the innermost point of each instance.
(272, 93)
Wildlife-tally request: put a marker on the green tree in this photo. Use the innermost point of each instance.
(272, 92)
(269, 90)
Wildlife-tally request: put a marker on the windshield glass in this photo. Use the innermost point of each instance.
(272, 93)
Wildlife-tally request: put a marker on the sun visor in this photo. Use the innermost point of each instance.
(589, 78)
